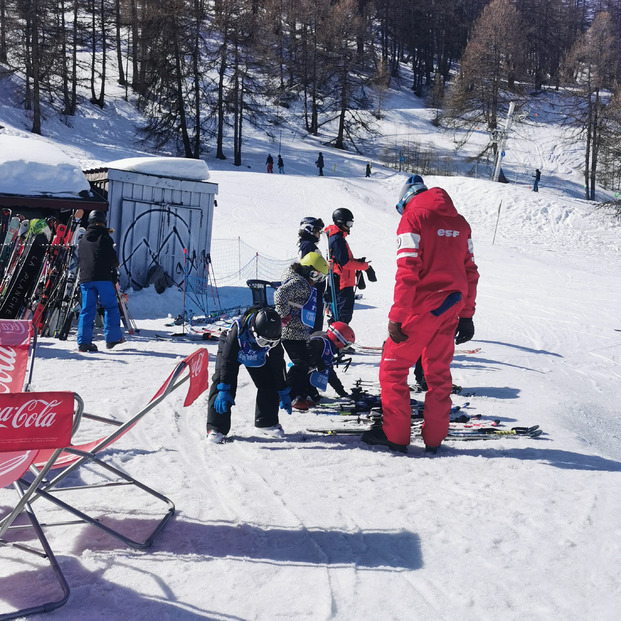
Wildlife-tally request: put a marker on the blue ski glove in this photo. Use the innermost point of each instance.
(285, 400)
(221, 404)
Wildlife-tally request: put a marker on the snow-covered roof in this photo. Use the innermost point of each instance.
(34, 167)
(175, 167)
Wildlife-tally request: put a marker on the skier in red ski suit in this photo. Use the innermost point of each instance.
(434, 301)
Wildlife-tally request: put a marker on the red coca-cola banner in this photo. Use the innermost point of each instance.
(35, 420)
(199, 376)
(14, 345)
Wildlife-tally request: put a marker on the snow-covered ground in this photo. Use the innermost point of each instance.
(318, 527)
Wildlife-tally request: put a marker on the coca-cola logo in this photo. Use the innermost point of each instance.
(14, 462)
(7, 368)
(14, 332)
(196, 363)
(32, 413)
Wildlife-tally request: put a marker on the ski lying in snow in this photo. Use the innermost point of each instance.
(345, 409)
(360, 383)
(378, 348)
(457, 431)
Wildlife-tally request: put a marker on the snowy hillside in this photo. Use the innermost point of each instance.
(317, 527)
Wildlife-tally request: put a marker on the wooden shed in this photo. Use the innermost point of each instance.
(161, 209)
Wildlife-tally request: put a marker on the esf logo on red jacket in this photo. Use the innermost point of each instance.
(447, 233)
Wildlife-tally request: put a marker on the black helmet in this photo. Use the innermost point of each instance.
(97, 216)
(266, 327)
(343, 218)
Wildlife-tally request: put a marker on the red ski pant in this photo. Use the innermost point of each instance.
(433, 338)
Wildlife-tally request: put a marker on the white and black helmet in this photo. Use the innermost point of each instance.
(313, 226)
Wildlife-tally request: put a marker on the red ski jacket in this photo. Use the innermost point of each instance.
(343, 262)
(434, 257)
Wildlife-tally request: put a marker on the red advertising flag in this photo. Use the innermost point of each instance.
(199, 375)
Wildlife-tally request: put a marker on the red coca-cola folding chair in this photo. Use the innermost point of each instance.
(18, 341)
(31, 423)
(91, 454)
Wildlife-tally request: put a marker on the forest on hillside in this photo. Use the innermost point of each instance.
(200, 71)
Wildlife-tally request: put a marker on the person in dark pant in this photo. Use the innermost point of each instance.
(308, 239)
(319, 164)
(98, 264)
(344, 266)
(537, 176)
(296, 303)
(252, 341)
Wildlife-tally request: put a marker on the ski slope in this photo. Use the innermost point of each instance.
(319, 527)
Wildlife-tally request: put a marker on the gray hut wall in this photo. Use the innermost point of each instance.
(154, 219)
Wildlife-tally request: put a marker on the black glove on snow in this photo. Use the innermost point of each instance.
(465, 330)
(371, 274)
(360, 281)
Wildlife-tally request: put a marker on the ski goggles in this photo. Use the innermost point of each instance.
(263, 342)
(316, 276)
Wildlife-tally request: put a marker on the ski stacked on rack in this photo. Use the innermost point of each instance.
(45, 296)
(5, 220)
(68, 304)
(25, 272)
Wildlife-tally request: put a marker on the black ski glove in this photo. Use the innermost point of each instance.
(360, 281)
(465, 330)
(371, 274)
(395, 332)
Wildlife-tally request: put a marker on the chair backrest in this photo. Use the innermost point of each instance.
(258, 288)
(195, 364)
(15, 345)
(29, 422)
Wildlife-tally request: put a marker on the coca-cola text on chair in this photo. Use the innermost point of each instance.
(30, 423)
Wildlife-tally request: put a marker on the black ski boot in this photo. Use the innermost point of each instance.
(87, 347)
(376, 436)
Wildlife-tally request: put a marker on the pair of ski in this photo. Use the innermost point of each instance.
(373, 349)
(455, 389)
(457, 431)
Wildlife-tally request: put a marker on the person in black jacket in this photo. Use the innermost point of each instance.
(319, 163)
(98, 263)
(308, 239)
(254, 341)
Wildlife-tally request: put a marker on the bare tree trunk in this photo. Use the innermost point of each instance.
(196, 59)
(3, 29)
(119, 42)
(36, 68)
